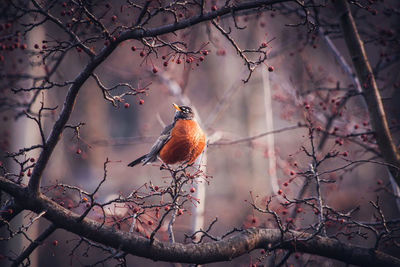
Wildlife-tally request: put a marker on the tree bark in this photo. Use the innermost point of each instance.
(369, 88)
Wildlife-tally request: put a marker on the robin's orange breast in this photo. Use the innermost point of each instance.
(186, 143)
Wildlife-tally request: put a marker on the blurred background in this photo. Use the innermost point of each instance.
(305, 72)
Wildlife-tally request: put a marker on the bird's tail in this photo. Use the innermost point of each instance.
(137, 161)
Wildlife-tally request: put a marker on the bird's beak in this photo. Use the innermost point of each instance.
(176, 107)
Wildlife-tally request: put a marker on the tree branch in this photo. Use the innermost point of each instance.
(38, 241)
(223, 250)
(369, 87)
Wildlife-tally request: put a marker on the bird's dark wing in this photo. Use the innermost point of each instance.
(155, 149)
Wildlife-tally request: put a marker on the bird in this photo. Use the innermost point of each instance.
(180, 142)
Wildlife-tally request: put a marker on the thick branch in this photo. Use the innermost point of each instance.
(369, 87)
(184, 23)
(64, 116)
(38, 241)
(223, 250)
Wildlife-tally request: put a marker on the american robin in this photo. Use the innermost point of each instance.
(180, 142)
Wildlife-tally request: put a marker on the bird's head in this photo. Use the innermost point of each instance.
(183, 112)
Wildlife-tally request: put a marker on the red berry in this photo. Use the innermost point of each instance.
(55, 243)
(64, 4)
(264, 44)
(135, 209)
(32, 160)
(201, 58)
(156, 188)
(133, 48)
(150, 222)
(345, 154)
(307, 106)
(141, 102)
(126, 105)
(379, 182)
(280, 192)
(142, 54)
(114, 18)
(179, 61)
(155, 70)
(166, 208)
(270, 69)
(214, 8)
(165, 63)
(285, 184)
(205, 52)
(180, 212)
(29, 172)
(78, 151)
(192, 190)
(292, 173)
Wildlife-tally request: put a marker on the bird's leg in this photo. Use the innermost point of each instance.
(163, 166)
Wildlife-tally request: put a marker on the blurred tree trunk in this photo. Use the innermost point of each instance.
(269, 120)
(255, 123)
(25, 134)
